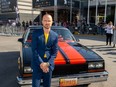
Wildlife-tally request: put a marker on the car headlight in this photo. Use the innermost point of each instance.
(95, 65)
(28, 70)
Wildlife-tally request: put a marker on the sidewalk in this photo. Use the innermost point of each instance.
(91, 37)
(97, 43)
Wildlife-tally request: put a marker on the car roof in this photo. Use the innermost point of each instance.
(53, 27)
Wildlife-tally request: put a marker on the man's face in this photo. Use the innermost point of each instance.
(47, 21)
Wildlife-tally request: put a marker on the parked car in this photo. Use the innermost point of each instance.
(75, 64)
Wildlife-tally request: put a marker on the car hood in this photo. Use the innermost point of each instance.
(68, 53)
(75, 53)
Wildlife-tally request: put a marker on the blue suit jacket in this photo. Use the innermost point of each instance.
(39, 48)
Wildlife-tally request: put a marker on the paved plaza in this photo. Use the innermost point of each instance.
(97, 44)
(9, 51)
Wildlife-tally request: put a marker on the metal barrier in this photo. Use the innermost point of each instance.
(11, 30)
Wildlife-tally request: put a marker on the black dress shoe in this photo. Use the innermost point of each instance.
(114, 45)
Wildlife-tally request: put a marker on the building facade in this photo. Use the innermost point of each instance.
(19, 10)
(94, 11)
(61, 10)
(102, 11)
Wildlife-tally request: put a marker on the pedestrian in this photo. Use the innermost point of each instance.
(13, 27)
(109, 32)
(27, 24)
(44, 48)
(30, 22)
(114, 37)
(23, 24)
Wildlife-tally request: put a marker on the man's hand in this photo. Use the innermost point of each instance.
(45, 67)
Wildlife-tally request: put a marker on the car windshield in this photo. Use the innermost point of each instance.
(63, 34)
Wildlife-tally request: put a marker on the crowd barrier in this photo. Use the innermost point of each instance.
(11, 30)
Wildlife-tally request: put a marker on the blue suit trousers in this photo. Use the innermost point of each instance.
(38, 76)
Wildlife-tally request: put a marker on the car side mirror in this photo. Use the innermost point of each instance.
(20, 40)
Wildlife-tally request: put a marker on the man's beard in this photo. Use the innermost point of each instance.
(47, 27)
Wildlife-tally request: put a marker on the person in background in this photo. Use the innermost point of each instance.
(23, 24)
(44, 49)
(114, 37)
(109, 32)
(27, 24)
(30, 22)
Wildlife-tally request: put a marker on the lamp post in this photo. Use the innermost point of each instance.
(115, 16)
(105, 10)
(70, 11)
(55, 11)
(80, 10)
(96, 18)
(32, 14)
(88, 12)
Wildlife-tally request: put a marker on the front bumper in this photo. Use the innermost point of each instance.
(86, 78)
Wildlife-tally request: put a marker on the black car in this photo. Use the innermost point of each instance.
(75, 64)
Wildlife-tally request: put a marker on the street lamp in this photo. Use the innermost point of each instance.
(55, 11)
(70, 11)
(115, 16)
(96, 16)
(105, 10)
(88, 12)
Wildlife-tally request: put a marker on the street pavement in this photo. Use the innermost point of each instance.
(97, 44)
(9, 52)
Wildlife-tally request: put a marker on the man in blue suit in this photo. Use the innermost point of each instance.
(44, 48)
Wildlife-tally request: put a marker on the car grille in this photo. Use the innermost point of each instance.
(68, 69)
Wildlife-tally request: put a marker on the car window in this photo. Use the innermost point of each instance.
(29, 37)
(64, 33)
(24, 35)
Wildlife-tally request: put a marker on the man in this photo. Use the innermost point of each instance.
(44, 47)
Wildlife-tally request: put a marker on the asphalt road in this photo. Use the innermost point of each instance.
(9, 52)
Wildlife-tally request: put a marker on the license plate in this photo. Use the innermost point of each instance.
(67, 82)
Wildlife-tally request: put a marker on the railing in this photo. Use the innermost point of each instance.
(11, 30)
(19, 30)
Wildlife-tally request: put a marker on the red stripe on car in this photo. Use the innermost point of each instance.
(59, 59)
(74, 56)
